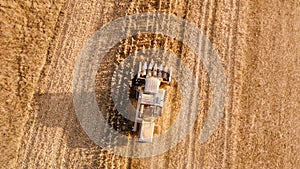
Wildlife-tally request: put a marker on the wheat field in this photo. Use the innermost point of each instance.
(257, 43)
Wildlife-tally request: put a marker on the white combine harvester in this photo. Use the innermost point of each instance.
(150, 97)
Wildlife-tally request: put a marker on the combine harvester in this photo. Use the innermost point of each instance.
(150, 96)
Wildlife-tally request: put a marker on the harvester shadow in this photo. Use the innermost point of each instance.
(57, 111)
